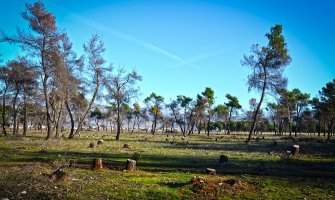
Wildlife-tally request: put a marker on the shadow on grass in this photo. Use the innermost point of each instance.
(192, 164)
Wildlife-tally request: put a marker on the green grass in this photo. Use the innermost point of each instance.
(166, 166)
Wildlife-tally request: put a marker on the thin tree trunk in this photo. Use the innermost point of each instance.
(80, 123)
(230, 113)
(15, 110)
(118, 121)
(25, 114)
(58, 119)
(258, 107)
(153, 130)
(71, 136)
(208, 124)
(4, 109)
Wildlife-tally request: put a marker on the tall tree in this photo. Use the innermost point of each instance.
(317, 112)
(95, 70)
(301, 100)
(137, 115)
(96, 114)
(180, 108)
(267, 64)
(234, 105)
(273, 110)
(5, 82)
(154, 103)
(222, 112)
(121, 89)
(208, 96)
(288, 102)
(42, 42)
(22, 77)
(327, 94)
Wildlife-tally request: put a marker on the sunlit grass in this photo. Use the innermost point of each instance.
(165, 167)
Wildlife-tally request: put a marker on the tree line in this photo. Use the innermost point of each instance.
(49, 85)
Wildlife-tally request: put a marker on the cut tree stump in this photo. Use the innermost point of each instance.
(223, 159)
(97, 164)
(295, 150)
(131, 165)
(100, 142)
(91, 145)
(210, 171)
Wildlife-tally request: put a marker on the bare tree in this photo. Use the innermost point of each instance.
(94, 50)
(122, 88)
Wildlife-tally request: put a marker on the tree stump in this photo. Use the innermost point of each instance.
(97, 164)
(275, 143)
(295, 150)
(100, 142)
(91, 145)
(131, 165)
(126, 146)
(210, 171)
(223, 159)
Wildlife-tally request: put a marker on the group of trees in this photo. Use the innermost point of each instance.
(49, 85)
(54, 76)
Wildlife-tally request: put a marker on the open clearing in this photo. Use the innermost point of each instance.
(169, 167)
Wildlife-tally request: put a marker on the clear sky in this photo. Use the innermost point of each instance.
(181, 47)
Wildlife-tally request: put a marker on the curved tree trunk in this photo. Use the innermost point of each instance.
(71, 136)
(254, 122)
(80, 123)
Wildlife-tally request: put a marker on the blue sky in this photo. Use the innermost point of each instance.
(181, 47)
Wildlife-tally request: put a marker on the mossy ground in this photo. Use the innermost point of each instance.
(166, 166)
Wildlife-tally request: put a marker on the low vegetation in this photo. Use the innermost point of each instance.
(169, 166)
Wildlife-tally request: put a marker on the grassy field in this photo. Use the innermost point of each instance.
(169, 167)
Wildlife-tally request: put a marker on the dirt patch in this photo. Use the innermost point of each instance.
(214, 187)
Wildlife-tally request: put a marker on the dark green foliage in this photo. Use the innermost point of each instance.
(267, 64)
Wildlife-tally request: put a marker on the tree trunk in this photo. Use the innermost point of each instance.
(175, 118)
(58, 119)
(71, 136)
(118, 121)
(80, 123)
(4, 109)
(46, 98)
(25, 114)
(258, 107)
(132, 130)
(15, 110)
(228, 127)
(153, 130)
(319, 127)
(208, 124)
